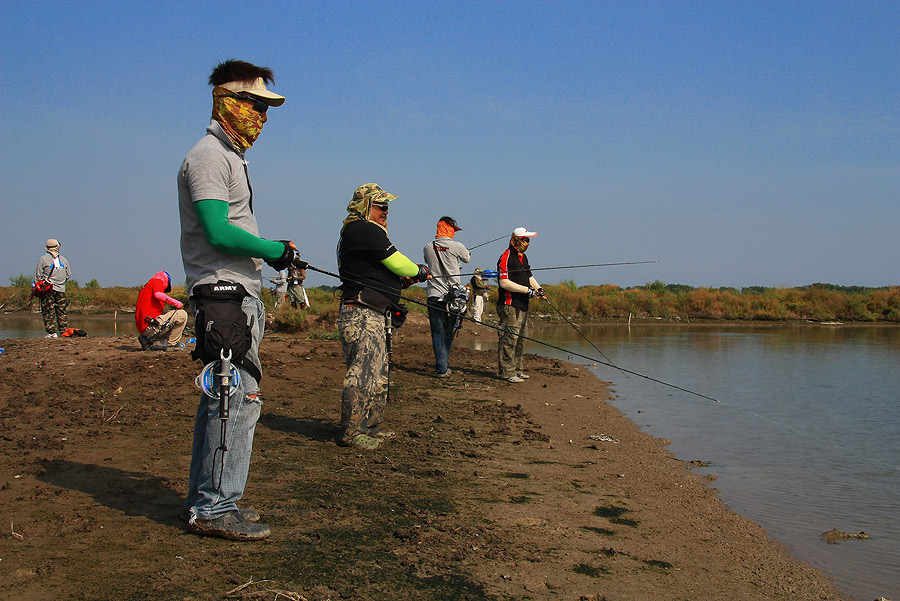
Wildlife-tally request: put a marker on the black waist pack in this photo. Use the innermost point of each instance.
(380, 302)
(222, 324)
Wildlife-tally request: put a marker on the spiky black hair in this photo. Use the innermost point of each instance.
(235, 70)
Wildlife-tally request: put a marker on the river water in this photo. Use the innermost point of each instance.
(806, 437)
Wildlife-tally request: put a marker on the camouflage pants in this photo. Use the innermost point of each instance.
(53, 309)
(363, 339)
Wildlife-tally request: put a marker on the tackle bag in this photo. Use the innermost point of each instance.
(221, 323)
(41, 287)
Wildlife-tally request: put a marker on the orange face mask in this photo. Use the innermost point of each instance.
(237, 117)
(445, 229)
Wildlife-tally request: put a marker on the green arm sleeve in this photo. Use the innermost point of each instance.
(400, 265)
(221, 234)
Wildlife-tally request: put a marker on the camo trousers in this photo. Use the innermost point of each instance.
(54, 307)
(363, 339)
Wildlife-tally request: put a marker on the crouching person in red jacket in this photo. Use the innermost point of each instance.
(151, 320)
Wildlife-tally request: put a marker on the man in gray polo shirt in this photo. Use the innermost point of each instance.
(220, 243)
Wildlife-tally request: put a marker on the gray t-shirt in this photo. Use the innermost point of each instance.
(213, 170)
(58, 276)
(451, 253)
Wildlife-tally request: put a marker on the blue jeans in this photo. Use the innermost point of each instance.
(443, 324)
(217, 477)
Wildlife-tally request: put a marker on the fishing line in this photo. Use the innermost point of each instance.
(550, 268)
(824, 441)
(488, 242)
(639, 375)
(541, 342)
(580, 333)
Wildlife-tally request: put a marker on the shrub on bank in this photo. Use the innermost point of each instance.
(656, 300)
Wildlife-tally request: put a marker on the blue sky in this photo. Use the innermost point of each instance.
(736, 143)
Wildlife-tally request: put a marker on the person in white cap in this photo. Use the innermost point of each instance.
(223, 254)
(54, 268)
(517, 287)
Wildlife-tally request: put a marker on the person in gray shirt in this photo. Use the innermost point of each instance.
(443, 256)
(222, 251)
(54, 268)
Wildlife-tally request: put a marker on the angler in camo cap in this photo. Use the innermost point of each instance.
(372, 274)
(360, 206)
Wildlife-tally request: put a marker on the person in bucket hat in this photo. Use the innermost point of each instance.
(517, 287)
(221, 250)
(54, 268)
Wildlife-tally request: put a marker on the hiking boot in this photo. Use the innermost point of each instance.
(146, 343)
(52, 335)
(248, 514)
(446, 374)
(230, 526)
(515, 379)
(175, 347)
(522, 375)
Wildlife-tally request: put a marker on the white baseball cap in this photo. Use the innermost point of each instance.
(521, 232)
(255, 87)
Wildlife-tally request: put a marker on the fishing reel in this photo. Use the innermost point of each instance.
(208, 380)
(457, 304)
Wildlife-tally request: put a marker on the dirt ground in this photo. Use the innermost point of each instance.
(490, 491)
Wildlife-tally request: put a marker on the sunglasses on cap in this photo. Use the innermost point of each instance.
(258, 105)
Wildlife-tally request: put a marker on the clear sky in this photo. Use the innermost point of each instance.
(737, 143)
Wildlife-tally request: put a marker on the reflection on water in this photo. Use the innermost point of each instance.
(805, 440)
(16, 325)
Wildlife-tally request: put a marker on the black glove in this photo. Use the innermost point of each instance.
(532, 293)
(423, 273)
(286, 259)
(541, 293)
(299, 263)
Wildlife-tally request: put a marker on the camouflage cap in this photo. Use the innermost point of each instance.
(363, 199)
(373, 194)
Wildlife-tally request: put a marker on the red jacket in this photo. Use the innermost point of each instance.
(152, 300)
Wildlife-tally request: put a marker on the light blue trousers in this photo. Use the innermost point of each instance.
(217, 477)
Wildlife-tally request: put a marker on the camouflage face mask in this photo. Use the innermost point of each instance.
(520, 244)
(237, 117)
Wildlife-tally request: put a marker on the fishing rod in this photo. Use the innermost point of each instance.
(488, 242)
(493, 273)
(577, 329)
(535, 340)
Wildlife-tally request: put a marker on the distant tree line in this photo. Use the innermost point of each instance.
(606, 302)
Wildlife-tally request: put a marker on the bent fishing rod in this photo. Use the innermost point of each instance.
(492, 273)
(535, 340)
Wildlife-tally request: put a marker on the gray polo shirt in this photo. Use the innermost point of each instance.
(214, 170)
(451, 253)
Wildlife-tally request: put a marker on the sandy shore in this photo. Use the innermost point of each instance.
(490, 490)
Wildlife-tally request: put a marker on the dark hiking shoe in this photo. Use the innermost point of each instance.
(230, 526)
(248, 514)
(146, 343)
